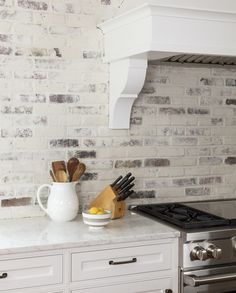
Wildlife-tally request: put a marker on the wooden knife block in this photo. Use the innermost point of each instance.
(107, 200)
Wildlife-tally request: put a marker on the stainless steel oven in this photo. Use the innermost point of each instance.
(207, 246)
(211, 280)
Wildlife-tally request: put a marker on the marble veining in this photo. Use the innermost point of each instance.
(39, 233)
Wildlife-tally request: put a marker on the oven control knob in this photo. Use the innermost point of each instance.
(198, 253)
(214, 251)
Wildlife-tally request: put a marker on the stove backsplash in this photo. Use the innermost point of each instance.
(54, 105)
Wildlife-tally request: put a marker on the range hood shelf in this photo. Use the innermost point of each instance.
(193, 31)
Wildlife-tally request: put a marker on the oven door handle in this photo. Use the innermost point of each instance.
(194, 281)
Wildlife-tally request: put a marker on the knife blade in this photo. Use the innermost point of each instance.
(116, 181)
(124, 196)
(125, 178)
(122, 187)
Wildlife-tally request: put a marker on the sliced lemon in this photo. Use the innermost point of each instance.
(93, 210)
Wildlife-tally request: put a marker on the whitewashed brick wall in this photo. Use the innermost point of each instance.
(54, 105)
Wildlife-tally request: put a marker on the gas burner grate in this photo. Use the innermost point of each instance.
(182, 216)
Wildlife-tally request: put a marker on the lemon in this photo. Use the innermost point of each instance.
(93, 210)
(100, 213)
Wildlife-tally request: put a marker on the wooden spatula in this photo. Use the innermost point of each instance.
(71, 167)
(78, 172)
(61, 176)
(58, 165)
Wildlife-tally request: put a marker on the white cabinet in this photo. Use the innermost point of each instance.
(137, 267)
(123, 261)
(147, 266)
(30, 272)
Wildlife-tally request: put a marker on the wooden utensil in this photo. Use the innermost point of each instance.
(71, 167)
(53, 176)
(78, 172)
(58, 165)
(61, 176)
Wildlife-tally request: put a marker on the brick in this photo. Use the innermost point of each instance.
(230, 160)
(184, 181)
(36, 5)
(61, 98)
(64, 143)
(198, 91)
(160, 100)
(198, 191)
(127, 142)
(198, 151)
(210, 161)
(37, 98)
(230, 82)
(128, 164)
(230, 102)
(82, 154)
(5, 38)
(172, 111)
(136, 120)
(91, 55)
(16, 202)
(198, 131)
(184, 141)
(148, 89)
(157, 183)
(153, 162)
(143, 194)
(210, 180)
(106, 2)
(89, 176)
(16, 110)
(198, 111)
(162, 141)
(5, 50)
(210, 101)
(211, 81)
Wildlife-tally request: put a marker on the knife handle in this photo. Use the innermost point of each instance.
(117, 180)
(126, 189)
(123, 180)
(123, 186)
(124, 196)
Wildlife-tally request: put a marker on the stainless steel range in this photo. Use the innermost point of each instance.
(207, 261)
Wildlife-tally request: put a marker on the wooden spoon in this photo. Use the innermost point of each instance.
(61, 176)
(78, 172)
(71, 167)
(53, 176)
(58, 165)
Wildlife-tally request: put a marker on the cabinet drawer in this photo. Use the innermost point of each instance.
(30, 272)
(151, 286)
(124, 261)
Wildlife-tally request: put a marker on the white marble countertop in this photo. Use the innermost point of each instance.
(39, 233)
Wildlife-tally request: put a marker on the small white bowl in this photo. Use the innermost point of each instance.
(96, 221)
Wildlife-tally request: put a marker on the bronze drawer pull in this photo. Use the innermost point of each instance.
(3, 276)
(113, 263)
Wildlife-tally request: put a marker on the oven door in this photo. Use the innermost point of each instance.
(214, 280)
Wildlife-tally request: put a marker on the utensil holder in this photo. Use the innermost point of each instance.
(107, 200)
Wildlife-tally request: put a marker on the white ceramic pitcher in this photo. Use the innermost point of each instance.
(63, 203)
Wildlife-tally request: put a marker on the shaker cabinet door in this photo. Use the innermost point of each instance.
(121, 262)
(30, 272)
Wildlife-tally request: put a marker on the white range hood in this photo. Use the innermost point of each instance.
(192, 31)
